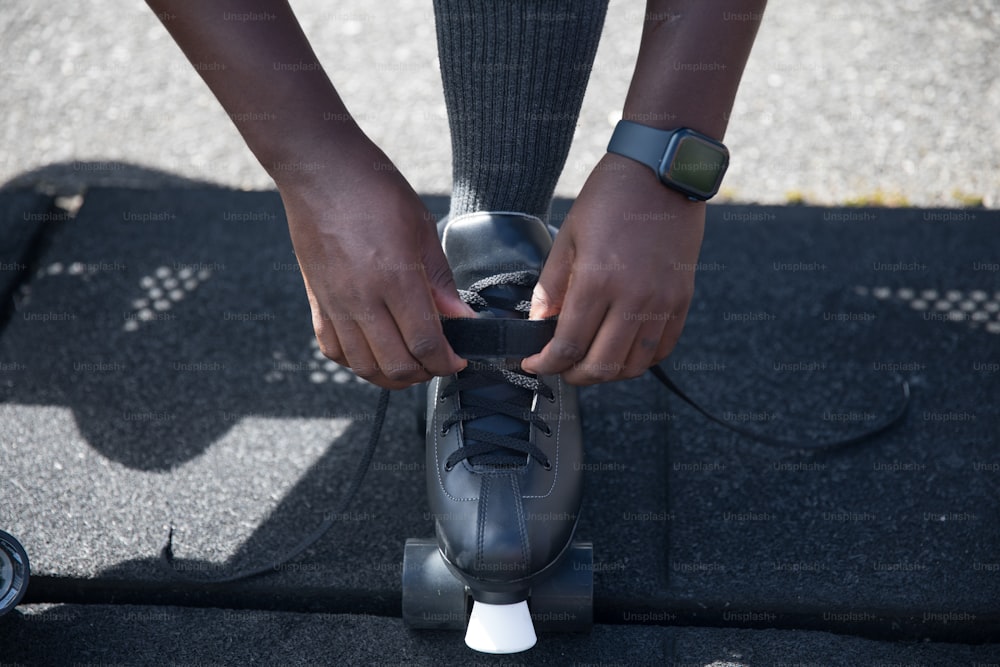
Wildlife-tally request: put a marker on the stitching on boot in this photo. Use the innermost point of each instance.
(484, 497)
(521, 527)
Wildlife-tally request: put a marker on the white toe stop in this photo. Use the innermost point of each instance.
(500, 628)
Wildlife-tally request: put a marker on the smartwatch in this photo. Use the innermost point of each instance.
(682, 159)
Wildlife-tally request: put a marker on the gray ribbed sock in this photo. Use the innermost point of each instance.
(514, 74)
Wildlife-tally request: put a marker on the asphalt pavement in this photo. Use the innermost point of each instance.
(889, 101)
(158, 372)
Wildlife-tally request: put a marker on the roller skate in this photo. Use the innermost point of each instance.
(504, 459)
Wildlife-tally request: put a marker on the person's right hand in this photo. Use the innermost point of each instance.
(374, 271)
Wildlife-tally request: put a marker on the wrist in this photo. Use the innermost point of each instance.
(628, 174)
(321, 157)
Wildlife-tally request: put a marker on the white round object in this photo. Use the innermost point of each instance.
(500, 628)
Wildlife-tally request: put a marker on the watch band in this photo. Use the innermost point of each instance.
(640, 142)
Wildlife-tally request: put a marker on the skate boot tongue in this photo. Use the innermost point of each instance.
(495, 259)
(484, 246)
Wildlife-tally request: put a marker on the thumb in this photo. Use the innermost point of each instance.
(547, 297)
(442, 285)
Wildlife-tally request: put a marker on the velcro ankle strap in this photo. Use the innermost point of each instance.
(497, 337)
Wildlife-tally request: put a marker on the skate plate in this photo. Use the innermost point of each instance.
(433, 599)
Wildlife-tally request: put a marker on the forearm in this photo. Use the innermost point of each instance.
(690, 63)
(266, 76)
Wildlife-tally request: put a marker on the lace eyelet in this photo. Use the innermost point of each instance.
(444, 430)
(448, 467)
(551, 398)
(547, 431)
(547, 466)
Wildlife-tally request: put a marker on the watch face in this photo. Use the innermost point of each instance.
(695, 164)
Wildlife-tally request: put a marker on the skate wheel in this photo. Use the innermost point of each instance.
(564, 600)
(433, 599)
(500, 628)
(14, 572)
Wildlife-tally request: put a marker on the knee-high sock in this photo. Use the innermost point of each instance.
(514, 74)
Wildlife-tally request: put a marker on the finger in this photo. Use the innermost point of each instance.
(605, 360)
(329, 342)
(326, 333)
(358, 354)
(579, 321)
(668, 340)
(442, 284)
(674, 325)
(393, 359)
(416, 319)
(550, 291)
(644, 347)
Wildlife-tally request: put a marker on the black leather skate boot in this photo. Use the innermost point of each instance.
(504, 449)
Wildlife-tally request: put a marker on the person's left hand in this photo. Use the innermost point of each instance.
(620, 276)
